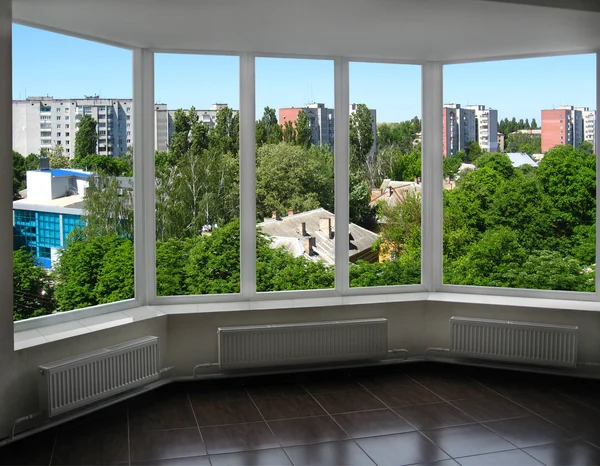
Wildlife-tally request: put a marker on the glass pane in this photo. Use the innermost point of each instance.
(72, 193)
(294, 174)
(385, 174)
(520, 173)
(197, 175)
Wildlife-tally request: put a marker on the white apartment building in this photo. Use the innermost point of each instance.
(589, 124)
(486, 127)
(44, 122)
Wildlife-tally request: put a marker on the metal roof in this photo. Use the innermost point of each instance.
(521, 158)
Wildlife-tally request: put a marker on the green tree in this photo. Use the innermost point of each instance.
(523, 142)
(171, 259)
(57, 158)
(78, 268)
(32, 162)
(397, 135)
(498, 162)
(213, 264)
(115, 277)
(474, 151)
(400, 233)
(292, 177)
(225, 136)
(361, 138)
(408, 166)
(32, 290)
(103, 164)
(108, 208)
(86, 137)
(19, 174)
(361, 212)
(268, 130)
(453, 163)
(289, 132)
(180, 138)
(534, 124)
(303, 129)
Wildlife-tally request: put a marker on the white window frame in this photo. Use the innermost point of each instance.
(432, 201)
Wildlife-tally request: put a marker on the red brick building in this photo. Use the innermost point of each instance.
(556, 128)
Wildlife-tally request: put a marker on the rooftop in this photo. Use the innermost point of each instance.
(521, 158)
(293, 232)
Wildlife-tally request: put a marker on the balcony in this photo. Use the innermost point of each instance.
(403, 414)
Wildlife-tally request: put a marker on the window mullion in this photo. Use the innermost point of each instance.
(342, 173)
(143, 172)
(597, 152)
(247, 176)
(432, 215)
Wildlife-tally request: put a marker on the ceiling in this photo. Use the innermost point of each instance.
(584, 5)
(410, 30)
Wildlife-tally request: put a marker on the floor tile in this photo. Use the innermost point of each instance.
(383, 380)
(288, 407)
(275, 457)
(529, 431)
(491, 408)
(438, 463)
(468, 440)
(90, 449)
(238, 437)
(346, 402)
(190, 461)
(574, 452)
(34, 450)
(434, 416)
(503, 458)
(173, 415)
(452, 387)
(328, 454)
(307, 430)
(331, 386)
(214, 413)
(109, 420)
(372, 423)
(221, 394)
(401, 449)
(166, 444)
(405, 395)
(275, 390)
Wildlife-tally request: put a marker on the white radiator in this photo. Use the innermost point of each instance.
(78, 381)
(520, 342)
(303, 343)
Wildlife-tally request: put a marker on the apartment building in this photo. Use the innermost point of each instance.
(459, 128)
(567, 126)
(486, 127)
(321, 121)
(44, 122)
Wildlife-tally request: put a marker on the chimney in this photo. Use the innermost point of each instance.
(274, 215)
(391, 191)
(325, 226)
(309, 243)
(301, 229)
(290, 212)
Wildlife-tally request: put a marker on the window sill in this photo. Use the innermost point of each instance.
(32, 337)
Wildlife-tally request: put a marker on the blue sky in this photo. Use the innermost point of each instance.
(61, 66)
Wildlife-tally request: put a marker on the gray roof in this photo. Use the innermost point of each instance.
(286, 233)
(520, 158)
(394, 192)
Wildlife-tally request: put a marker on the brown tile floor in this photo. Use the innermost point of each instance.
(423, 413)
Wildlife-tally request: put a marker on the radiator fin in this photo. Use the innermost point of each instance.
(306, 343)
(521, 342)
(75, 382)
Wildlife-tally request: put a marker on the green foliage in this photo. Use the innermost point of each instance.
(225, 136)
(86, 137)
(361, 137)
(19, 174)
(83, 263)
(115, 278)
(398, 135)
(361, 212)
(108, 207)
(103, 164)
(408, 166)
(400, 233)
(171, 259)
(498, 162)
(289, 132)
(474, 151)
(213, 263)
(303, 129)
(32, 291)
(452, 164)
(293, 177)
(32, 162)
(523, 142)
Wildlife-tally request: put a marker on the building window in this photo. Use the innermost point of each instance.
(67, 110)
(58, 109)
(67, 134)
(67, 126)
(58, 125)
(58, 117)
(67, 116)
(57, 135)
